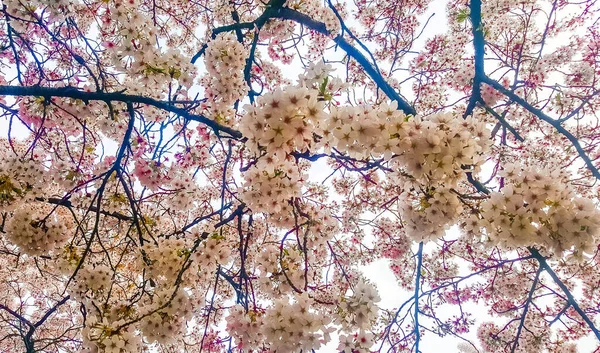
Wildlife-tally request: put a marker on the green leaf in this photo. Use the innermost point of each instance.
(462, 15)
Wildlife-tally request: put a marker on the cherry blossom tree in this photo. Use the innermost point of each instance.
(216, 176)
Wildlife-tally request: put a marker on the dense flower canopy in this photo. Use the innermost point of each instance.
(218, 176)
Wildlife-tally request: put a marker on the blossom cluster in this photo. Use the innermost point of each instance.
(214, 251)
(536, 208)
(245, 327)
(283, 120)
(224, 82)
(101, 336)
(359, 310)
(360, 342)
(167, 315)
(17, 180)
(284, 327)
(270, 183)
(314, 9)
(439, 147)
(38, 228)
(430, 155)
(131, 41)
(295, 327)
(151, 174)
(429, 213)
(166, 258)
(92, 278)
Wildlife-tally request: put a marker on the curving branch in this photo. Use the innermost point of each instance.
(289, 14)
(570, 299)
(526, 308)
(554, 123)
(480, 77)
(416, 296)
(75, 93)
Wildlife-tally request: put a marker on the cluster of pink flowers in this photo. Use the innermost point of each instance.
(151, 174)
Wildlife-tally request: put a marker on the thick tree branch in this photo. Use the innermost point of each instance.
(73, 92)
(374, 74)
(526, 308)
(554, 123)
(570, 299)
(479, 50)
(68, 204)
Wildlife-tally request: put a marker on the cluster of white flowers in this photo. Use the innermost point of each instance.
(245, 328)
(284, 327)
(321, 225)
(433, 152)
(315, 9)
(166, 257)
(359, 310)
(224, 82)
(92, 278)
(438, 148)
(294, 327)
(317, 76)
(428, 214)
(270, 183)
(283, 120)
(164, 67)
(38, 228)
(360, 342)
(436, 153)
(167, 323)
(536, 208)
(102, 337)
(20, 180)
(214, 251)
(185, 188)
(365, 130)
(130, 38)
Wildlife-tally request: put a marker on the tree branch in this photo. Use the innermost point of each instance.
(571, 300)
(556, 124)
(526, 308)
(374, 74)
(416, 296)
(73, 92)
